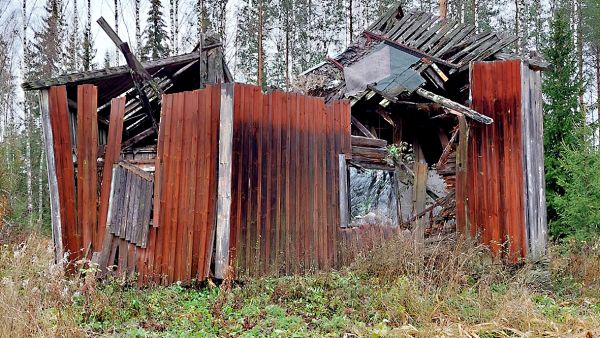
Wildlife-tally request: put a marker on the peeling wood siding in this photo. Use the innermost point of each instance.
(533, 161)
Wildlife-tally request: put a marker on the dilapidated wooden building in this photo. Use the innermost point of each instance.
(168, 171)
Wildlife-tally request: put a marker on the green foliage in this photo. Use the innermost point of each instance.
(156, 44)
(578, 205)
(591, 16)
(564, 123)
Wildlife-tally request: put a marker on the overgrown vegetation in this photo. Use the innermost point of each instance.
(391, 291)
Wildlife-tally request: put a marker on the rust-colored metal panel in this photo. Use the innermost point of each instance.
(285, 206)
(65, 175)
(180, 243)
(495, 169)
(87, 173)
(113, 151)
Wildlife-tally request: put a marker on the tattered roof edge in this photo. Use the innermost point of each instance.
(111, 72)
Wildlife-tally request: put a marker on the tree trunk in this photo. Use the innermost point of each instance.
(117, 51)
(176, 22)
(261, 18)
(287, 47)
(518, 26)
(443, 9)
(598, 85)
(200, 18)
(138, 30)
(579, 31)
(28, 165)
(41, 185)
(351, 22)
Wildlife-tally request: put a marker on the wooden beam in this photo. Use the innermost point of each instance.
(362, 128)
(359, 141)
(454, 106)
(52, 180)
(108, 73)
(224, 182)
(137, 138)
(343, 191)
(419, 194)
(138, 73)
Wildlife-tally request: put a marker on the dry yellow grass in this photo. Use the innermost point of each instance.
(35, 297)
(454, 291)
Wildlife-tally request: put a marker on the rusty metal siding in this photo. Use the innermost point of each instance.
(495, 173)
(65, 173)
(285, 207)
(180, 244)
(87, 173)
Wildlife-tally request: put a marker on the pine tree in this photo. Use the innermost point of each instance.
(74, 41)
(156, 44)
(564, 123)
(249, 49)
(88, 52)
(48, 42)
(138, 30)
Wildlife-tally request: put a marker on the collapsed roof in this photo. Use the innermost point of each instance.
(173, 74)
(402, 54)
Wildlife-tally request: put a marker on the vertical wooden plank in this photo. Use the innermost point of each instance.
(344, 212)
(224, 181)
(204, 104)
(215, 99)
(87, 149)
(462, 176)
(57, 233)
(419, 193)
(113, 151)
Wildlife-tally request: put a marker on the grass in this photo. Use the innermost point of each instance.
(391, 291)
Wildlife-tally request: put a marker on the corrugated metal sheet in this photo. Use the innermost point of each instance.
(285, 203)
(495, 175)
(181, 239)
(285, 182)
(113, 151)
(87, 172)
(65, 175)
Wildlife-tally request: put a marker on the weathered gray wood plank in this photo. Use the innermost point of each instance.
(224, 182)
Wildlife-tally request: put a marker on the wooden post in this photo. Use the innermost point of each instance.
(224, 182)
(461, 177)
(52, 181)
(344, 208)
(419, 193)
